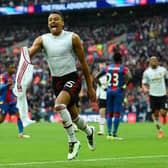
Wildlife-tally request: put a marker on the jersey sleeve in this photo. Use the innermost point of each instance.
(145, 79)
(3, 85)
(166, 73)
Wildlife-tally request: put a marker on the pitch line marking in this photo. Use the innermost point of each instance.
(86, 160)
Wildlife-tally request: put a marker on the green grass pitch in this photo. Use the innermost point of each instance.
(48, 147)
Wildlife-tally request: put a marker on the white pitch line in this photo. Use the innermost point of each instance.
(86, 160)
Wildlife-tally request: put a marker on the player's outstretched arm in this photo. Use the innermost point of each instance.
(37, 45)
(78, 48)
(99, 75)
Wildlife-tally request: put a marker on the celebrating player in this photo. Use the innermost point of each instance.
(60, 48)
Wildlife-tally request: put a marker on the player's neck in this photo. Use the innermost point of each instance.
(57, 33)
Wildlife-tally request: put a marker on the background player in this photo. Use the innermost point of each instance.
(101, 96)
(118, 77)
(153, 82)
(8, 99)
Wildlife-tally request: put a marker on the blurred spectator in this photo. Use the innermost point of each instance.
(145, 36)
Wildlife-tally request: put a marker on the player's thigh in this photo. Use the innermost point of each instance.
(110, 103)
(102, 106)
(154, 104)
(67, 88)
(118, 101)
(102, 103)
(163, 101)
(63, 98)
(13, 110)
(73, 88)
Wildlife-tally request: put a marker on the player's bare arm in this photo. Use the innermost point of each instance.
(78, 48)
(37, 44)
(145, 88)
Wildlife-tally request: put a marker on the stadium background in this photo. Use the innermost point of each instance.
(138, 28)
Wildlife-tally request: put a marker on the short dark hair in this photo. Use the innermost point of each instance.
(58, 13)
(117, 57)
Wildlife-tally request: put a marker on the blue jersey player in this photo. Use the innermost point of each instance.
(118, 76)
(8, 99)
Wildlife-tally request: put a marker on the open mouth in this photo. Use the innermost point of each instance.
(53, 27)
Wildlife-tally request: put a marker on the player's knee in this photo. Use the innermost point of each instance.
(156, 115)
(59, 107)
(163, 114)
(117, 115)
(109, 115)
(162, 111)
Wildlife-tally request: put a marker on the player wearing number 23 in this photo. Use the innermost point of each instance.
(118, 76)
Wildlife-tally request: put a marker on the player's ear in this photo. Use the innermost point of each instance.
(63, 24)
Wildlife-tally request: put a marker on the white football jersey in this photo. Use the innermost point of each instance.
(24, 73)
(58, 51)
(155, 79)
(101, 90)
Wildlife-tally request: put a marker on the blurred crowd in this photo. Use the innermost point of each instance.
(136, 40)
(12, 3)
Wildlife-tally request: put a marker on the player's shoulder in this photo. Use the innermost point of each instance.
(45, 35)
(67, 32)
(147, 70)
(70, 34)
(162, 68)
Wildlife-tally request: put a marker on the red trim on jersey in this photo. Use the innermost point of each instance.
(22, 71)
(22, 51)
